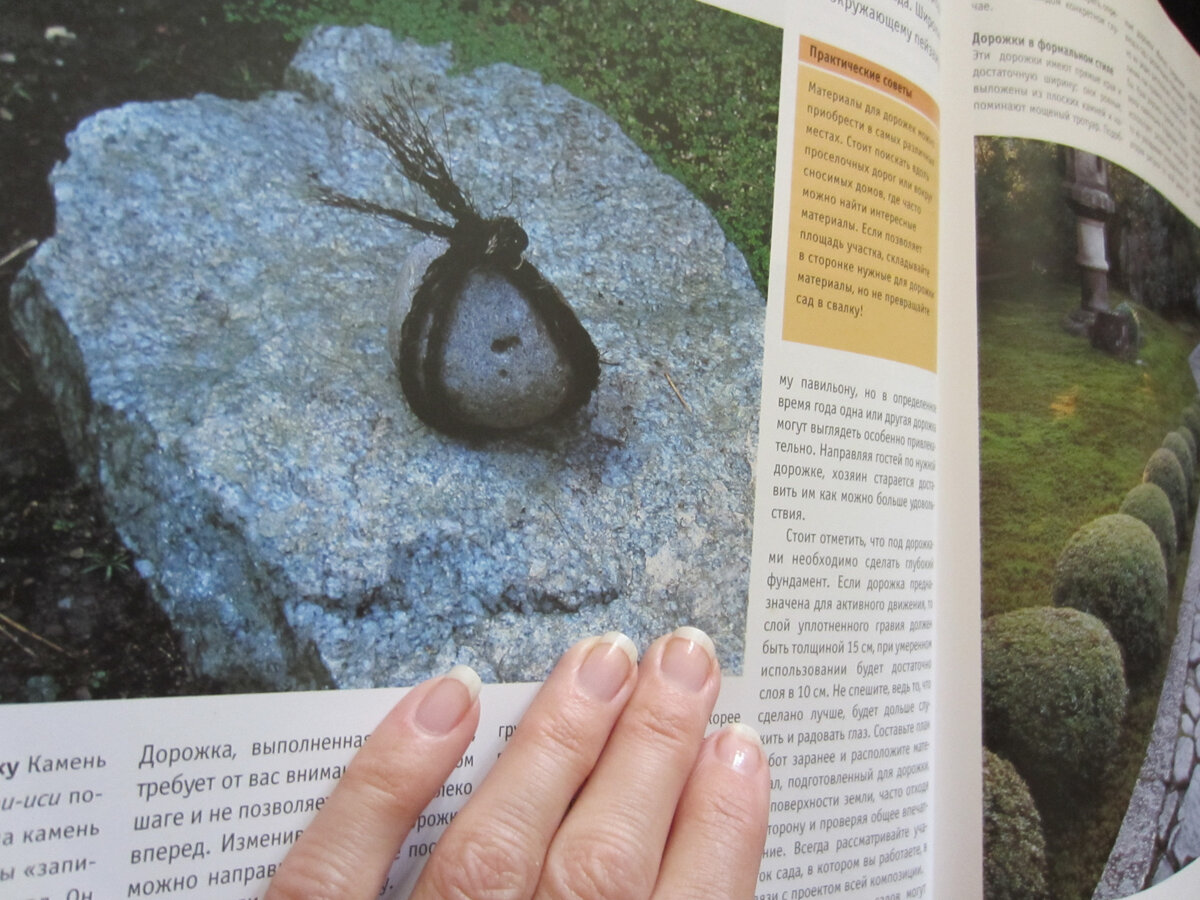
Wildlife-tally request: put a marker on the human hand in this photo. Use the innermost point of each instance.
(607, 789)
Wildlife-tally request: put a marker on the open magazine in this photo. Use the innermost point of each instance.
(768, 429)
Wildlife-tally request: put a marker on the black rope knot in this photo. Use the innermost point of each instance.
(488, 345)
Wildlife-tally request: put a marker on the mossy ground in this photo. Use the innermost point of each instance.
(1065, 432)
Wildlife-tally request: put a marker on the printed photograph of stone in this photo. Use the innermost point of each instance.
(1088, 281)
(215, 338)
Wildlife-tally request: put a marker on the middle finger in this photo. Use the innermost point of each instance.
(611, 842)
(496, 845)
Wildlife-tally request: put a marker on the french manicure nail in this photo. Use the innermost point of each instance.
(449, 700)
(740, 748)
(688, 658)
(607, 665)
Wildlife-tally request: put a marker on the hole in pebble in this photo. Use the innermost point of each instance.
(504, 344)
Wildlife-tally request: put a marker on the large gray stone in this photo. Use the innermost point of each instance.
(214, 341)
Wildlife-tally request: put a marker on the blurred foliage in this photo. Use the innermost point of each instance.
(1153, 248)
(1024, 223)
(697, 88)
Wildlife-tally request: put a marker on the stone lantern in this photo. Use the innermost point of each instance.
(1086, 190)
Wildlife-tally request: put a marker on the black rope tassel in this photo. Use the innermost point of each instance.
(489, 345)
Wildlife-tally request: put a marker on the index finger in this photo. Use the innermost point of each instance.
(347, 850)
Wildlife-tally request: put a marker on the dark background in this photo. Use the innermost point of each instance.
(1186, 15)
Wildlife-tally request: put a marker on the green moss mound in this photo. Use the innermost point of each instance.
(1191, 421)
(1149, 503)
(1113, 568)
(1014, 848)
(1163, 469)
(1177, 444)
(1053, 696)
(1191, 441)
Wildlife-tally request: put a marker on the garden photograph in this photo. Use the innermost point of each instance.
(261, 426)
(1088, 290)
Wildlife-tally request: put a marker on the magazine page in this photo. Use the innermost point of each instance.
(957, 801)
(1088, 260)
(225, 472)
(850, 476)
(284, 505)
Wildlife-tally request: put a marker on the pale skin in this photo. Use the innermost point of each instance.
(608, 789)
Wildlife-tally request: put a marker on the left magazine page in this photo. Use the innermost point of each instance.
(266, 459)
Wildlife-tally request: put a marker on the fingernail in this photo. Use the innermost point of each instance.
(688, 658)
(740, 748)
(450, 699)
(607, 665)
